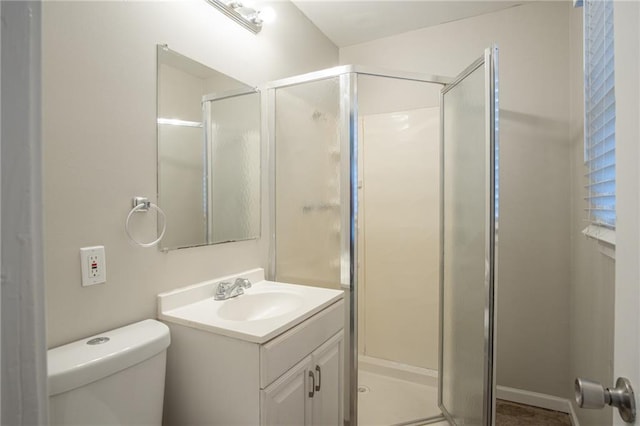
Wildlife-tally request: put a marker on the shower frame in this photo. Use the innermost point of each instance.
(348, 130)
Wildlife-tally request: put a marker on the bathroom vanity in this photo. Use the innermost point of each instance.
(271, 356)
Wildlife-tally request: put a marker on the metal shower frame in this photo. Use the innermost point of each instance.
(489, 63)
(348, 128)
(348, 131)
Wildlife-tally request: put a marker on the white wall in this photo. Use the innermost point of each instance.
(180, 148)
(180, 187)
(99, 136)
(533, 274)
(592, 273)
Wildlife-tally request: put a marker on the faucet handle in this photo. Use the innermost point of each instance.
(221, 290)
(243, 282)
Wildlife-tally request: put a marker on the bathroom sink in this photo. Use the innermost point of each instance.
(259, 306)
(265, 310)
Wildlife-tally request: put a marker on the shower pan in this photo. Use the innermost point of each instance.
(349, 192)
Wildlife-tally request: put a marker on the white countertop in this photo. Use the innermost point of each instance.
(195, 307)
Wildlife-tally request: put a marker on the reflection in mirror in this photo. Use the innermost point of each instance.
(208, 154)
(235, 166)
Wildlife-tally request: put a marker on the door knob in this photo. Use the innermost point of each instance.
(593, 395)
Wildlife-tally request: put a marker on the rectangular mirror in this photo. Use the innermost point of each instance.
(208, 154)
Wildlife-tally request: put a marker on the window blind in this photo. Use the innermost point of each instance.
(600, 117)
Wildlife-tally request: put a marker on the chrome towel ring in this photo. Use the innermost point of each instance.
(142, 204)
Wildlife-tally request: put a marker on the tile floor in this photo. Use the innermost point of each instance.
(513, 414)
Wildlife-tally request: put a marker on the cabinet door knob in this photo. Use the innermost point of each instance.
(313, 384)
(319, 378)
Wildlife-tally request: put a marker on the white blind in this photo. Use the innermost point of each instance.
(600, 114)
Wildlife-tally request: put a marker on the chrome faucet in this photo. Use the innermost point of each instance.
(226, 290)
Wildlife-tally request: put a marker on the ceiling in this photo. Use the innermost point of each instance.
(352, 21)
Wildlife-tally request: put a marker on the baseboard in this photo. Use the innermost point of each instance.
(423, 376)
(536, 399)
(573, 415)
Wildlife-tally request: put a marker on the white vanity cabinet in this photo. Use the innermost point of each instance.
(220, 376)
(286, 401)
(309, 393)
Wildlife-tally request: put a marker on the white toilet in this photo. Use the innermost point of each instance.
(114, 378)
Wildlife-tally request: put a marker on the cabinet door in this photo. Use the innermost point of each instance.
(328, 396)
(286, 401)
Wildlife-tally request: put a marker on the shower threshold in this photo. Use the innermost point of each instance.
(396, 394)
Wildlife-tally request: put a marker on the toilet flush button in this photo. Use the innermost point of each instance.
(98, 341)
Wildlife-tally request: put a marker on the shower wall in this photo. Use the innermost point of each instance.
(398, 228)
(399, 232)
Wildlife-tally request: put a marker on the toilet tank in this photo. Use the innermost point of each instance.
(113, 378)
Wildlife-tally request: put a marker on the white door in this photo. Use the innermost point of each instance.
(286, 401)
(627, 291)
(327, 399)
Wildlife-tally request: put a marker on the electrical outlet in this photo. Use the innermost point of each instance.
(93, 265)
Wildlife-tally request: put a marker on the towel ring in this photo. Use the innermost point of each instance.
(142, 204)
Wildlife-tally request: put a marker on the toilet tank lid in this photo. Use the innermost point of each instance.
(79, 363)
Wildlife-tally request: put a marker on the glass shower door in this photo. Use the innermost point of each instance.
(306, 172)
(469, 217)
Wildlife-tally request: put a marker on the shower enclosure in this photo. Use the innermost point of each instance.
(384, 184)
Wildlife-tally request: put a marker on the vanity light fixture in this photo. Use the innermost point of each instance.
(246, 16)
